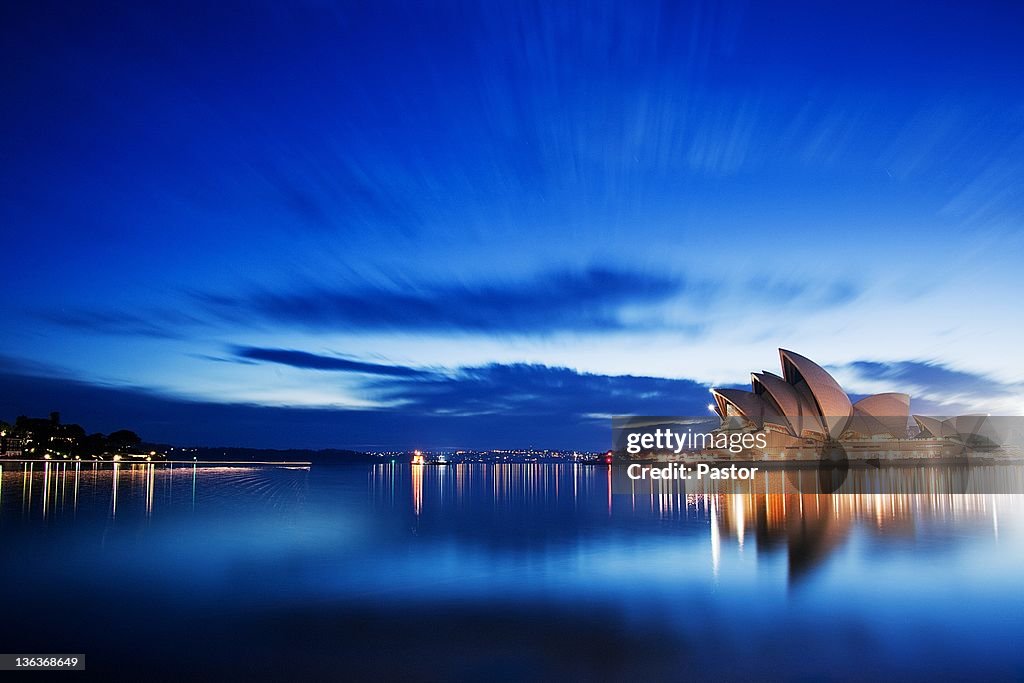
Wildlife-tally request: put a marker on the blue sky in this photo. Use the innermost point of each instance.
(465, 220)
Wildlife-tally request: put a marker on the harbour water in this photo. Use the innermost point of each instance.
(501, 572)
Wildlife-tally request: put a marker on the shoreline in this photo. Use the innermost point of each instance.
(288, 463)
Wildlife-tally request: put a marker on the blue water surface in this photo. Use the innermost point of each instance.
(500, 572)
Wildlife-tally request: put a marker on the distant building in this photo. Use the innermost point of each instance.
(806, 407)
(11, 446)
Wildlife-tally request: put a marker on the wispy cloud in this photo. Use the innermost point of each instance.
(522, 390)
(588, 300)
(332, 363)
(512, 391)
(936, 387)
(155, 324)
(327, 191)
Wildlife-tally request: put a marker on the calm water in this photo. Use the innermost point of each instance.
(501, 573)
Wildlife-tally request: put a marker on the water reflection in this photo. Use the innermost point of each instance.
(770, 517)
(543, 563)
(417, 487)
(528, 501)
(55, 490)
(116, 478)
(812, 526)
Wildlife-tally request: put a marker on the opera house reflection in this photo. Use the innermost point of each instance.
(780, 517)
(809, 527)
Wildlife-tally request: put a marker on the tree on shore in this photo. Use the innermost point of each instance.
(123, 440)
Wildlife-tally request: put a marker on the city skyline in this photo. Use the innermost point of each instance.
(490, 226)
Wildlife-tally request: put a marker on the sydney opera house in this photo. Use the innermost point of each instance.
(806, 408)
